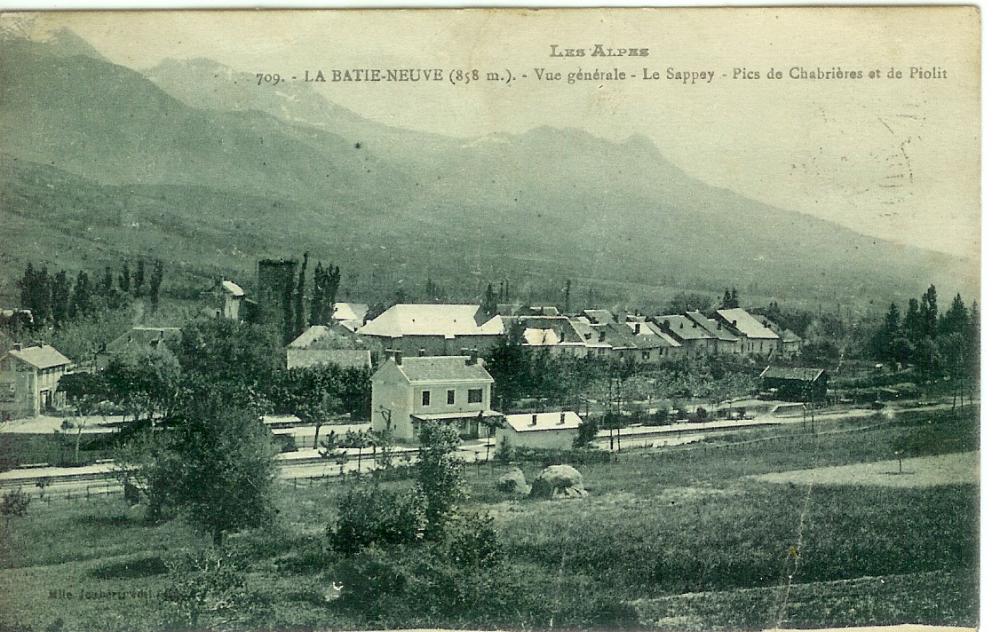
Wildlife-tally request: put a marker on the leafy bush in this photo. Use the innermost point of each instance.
(373, 515)
(208, 591)
(15, 503)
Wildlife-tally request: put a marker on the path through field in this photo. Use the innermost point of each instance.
(925, 471)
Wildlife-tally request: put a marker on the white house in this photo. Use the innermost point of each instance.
(410, 391)
(29, 379)
(555, 430)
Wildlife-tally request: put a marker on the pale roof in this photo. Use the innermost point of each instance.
(344, 358)
(232, 288)
(350, 311)
(798, 374)
(540, 337)
(443, 369)
(586, 332)
(713, 327)
(746, 323)
(790, 336)
(599, 316)
(43, 357)
(309, 336)
(432, 320)
(544, 421)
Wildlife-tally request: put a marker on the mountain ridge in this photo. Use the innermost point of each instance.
(593, 207)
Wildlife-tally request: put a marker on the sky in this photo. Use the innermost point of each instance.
(893, 158)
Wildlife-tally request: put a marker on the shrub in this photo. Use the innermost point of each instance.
(208, 591)
(15, 503)
(373, 515)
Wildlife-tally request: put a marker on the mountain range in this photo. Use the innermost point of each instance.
(191, 161)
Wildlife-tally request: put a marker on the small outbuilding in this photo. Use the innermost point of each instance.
(555, 430)
(794, 383)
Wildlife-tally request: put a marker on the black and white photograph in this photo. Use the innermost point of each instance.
(658, 319)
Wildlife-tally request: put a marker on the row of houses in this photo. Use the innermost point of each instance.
(416, 330)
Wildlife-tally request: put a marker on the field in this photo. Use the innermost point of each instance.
(683, 538)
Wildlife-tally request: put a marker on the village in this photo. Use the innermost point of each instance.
(281, 456)
(427, 362)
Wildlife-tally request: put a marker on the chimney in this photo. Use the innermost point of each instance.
(421, 352)
(601, 336)
(397, 356)
(16, 347)
(534, 419)
(718, 326)
(562, 336)
(637, 329)
(562, 416)
(473, 357)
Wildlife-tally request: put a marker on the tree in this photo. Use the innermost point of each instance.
(439, 475)
(84, 391)
(145, 381)
(490, 301)
(216, 467)
(927, 357)
(82, 302)
(139, 277)
(326, 282)
(956, 319)
(929, 312)
(219, 350)
(60, 298)
(125, 279)
(510, 365)
(155, 279)
(914, 324)
(586, 433)
(730, 299)
(36, 294)
(370, 515)
(300, 297)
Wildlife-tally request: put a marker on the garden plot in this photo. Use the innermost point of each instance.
(926, 471)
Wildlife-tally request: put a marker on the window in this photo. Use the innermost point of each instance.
(451, 397)
(425, 398)
(475, 395)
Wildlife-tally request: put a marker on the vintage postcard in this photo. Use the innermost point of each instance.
(499, 319)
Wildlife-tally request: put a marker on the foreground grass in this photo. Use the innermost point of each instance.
(684, 531)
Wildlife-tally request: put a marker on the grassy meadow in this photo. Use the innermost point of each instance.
(677, 538)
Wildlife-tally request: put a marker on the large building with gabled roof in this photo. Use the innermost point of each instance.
(434, 329)
(759, 339)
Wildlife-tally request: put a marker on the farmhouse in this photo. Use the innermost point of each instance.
(555, 430)
(433, 329)
(724, 340)
(143, 337)
(29, 379)
(794, 384)
(227, 300)
(759, 340)
(410, 391)
(694, 339)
